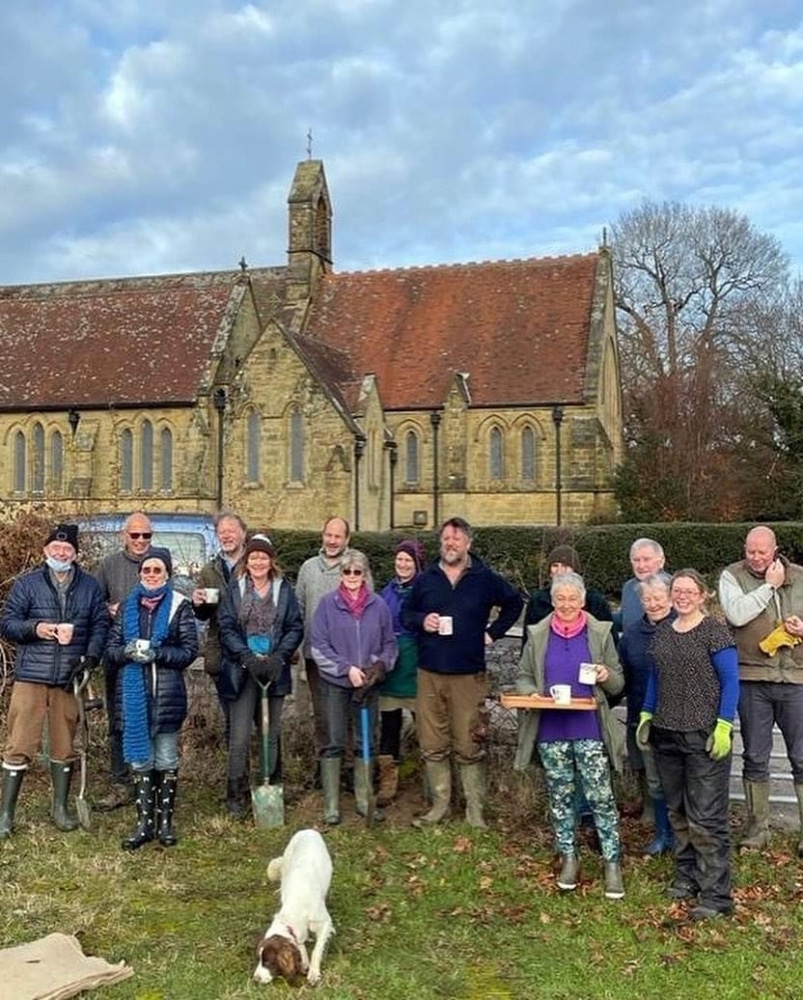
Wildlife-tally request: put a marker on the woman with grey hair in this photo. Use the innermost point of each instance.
(354, 645)
(576, 742)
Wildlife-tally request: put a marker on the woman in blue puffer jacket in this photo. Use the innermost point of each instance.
(153, 639)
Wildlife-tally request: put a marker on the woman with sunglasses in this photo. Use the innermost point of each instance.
(354, 645)
(153, 640)
(260, 629)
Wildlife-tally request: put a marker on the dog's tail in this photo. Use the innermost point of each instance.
(275, 870)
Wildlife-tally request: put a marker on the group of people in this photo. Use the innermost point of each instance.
(63, 621)
(419, 645)
(685, 675)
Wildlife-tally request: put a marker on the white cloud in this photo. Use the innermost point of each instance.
(138, 136)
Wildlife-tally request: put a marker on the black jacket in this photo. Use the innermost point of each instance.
(167, 692)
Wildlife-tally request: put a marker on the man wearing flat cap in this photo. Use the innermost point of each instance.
(56, 617)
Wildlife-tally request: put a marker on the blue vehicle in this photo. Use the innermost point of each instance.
(190, 538)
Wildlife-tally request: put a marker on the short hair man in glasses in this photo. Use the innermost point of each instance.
(117, 575)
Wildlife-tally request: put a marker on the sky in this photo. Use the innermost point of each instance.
(144, 137)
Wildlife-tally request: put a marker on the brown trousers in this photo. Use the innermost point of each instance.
(449, 712)
(30, 706)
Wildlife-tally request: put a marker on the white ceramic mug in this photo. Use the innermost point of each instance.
(561, 694)
(64, 633)
(588, 673)
(142, 645)
(445, 625)
(211, 595)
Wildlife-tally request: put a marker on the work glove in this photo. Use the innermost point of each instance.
(136, 655)
(643, 730)
(718, 743)
(777, 639)
(90, 662)
(264, 669)
(77, 668)
(372, 675)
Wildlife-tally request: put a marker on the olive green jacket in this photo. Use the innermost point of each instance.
(530, 680)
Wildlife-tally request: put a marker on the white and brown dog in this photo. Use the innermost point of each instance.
(305, 871)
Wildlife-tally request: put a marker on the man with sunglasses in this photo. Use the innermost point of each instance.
(117, 575)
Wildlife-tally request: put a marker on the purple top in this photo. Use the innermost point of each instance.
(562, 666)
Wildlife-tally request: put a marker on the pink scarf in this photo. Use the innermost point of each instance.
(355, 602)
(570, 630)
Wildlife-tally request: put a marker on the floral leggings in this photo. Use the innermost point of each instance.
(567, 763)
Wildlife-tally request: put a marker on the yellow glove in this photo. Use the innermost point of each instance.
(777, 639)
(643, 730)
(718, 743)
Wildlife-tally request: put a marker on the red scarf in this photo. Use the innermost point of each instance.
(570, 630)
(355, 601)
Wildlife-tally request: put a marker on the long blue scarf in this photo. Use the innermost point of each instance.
(136, 730)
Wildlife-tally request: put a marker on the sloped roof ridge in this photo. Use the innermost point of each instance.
(144, 282)
(467, 265)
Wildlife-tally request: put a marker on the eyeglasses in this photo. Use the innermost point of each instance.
(351, 572)
(147, 535)
(152, 570)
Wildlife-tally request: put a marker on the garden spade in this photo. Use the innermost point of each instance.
(81, 805)
(267, 800)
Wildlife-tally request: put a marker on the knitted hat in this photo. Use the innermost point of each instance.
(564, 554)
(260, 543)
(64, 533)
(414, 550)
(163, 555)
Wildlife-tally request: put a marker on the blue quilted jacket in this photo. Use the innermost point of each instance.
(34, 599)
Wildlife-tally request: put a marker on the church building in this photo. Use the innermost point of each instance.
(394, 397)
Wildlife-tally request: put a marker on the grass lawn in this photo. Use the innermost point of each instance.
(446, 914)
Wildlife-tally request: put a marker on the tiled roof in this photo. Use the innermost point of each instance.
(123, 342)
(519, 329)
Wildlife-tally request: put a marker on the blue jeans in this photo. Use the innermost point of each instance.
(697, 790)
(337, 705)
(760, 705)
(243, 714)
(163, 756)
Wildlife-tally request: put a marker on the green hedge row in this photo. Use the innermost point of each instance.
(520, 553)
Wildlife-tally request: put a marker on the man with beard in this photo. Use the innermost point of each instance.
(448, 610)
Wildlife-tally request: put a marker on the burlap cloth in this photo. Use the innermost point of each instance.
(54, 968)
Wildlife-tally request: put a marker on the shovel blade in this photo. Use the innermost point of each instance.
(268, 806)
(84, 814)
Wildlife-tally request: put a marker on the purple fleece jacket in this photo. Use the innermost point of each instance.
(339, 640)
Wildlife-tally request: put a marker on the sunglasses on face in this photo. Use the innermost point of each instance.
(147, 535)
(151, 570)
(352, 572)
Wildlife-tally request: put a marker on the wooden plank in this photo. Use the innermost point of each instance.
(544, 701)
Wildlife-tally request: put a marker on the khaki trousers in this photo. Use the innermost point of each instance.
(30, 706)
(449, 709)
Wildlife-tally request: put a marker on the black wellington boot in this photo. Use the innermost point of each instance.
(61, 776)
(167, 786)
(143, 832)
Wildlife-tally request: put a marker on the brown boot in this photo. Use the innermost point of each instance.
(388, 780)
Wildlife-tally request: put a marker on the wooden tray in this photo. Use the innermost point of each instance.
(544, 701)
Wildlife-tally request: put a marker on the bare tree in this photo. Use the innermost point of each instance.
(686, 278)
